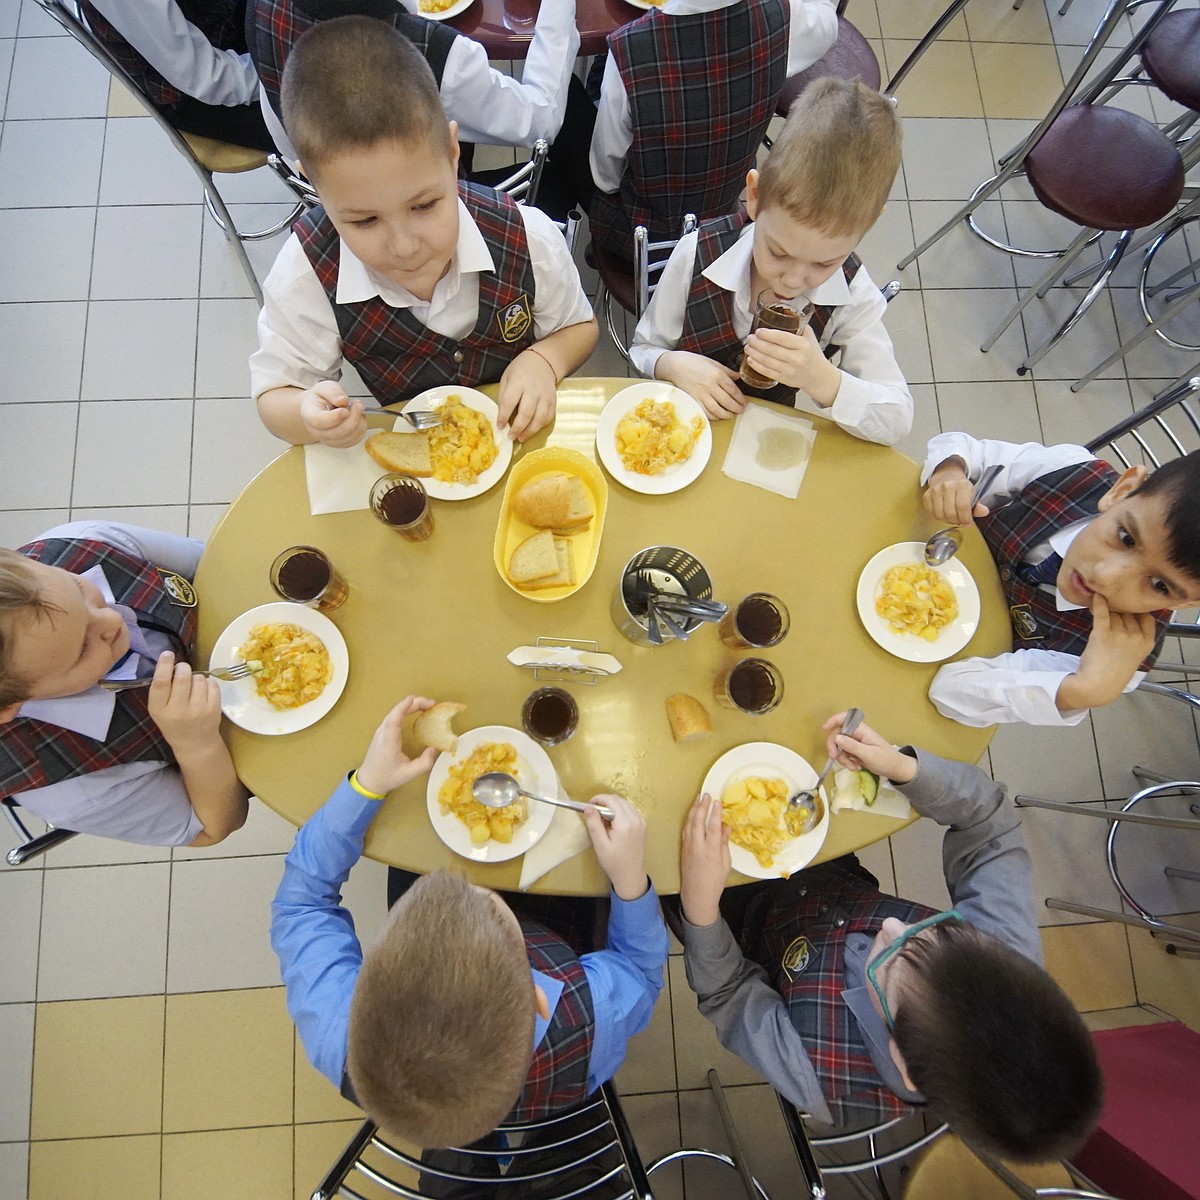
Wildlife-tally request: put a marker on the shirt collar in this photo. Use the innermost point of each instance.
(553, 989)
(1060, 543)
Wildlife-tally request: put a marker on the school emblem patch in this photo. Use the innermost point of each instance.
(179, 590)
(798, 957)
(1025, 623)
(515, 319)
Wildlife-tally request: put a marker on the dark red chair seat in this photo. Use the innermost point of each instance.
(850, 57)
(617, 274)
(1105, 168)
(1171, 57)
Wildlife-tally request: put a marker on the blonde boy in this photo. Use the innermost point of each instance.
(411, 277)
(822, 187)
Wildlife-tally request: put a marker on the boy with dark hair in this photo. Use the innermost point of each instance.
(413, 278)
(856, 1005)
(1091, 563)
(460, 1014)
(820, 190)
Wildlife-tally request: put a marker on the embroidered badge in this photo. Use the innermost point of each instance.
(179, 590)
(515, 319)
(1025, 623)
(798, 957)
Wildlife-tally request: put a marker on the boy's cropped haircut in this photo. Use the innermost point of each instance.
(996, 1047)
(834, 162)
(353, 82)
(19, 592)
(1178, 481)
(441, 1024)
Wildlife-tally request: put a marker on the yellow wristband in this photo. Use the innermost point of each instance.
(362, 791)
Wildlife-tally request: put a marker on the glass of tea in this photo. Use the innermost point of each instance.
(550, 715)
(774, 312)
(401, 502)
(304, 575)
(760, 620)
(752, 686)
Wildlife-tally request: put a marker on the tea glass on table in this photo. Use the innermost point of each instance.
(550, 715)
(753, 686)
(304, 575)
(774, 312)
(401, 502)
(760, 620)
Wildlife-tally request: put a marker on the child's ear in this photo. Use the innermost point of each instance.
(901, 1065)
(9, 711)
(541, 1002)
(455, 151)
(1131, 479)
(752, 192)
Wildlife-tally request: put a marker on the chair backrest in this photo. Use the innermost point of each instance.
(649, 258)
(1166, 428)
(523, 184)
(31, 845)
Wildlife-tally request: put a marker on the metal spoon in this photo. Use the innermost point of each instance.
(944, 544)
(495, 789)
(419, 418)
(810, 799)
(672, 625)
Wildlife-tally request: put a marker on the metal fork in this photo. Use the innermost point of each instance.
(240, 670)
(422, 418)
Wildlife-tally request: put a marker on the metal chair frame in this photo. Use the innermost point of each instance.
(31, 845)
(524, 184)
(1085, 1191)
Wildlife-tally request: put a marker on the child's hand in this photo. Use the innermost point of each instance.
(796, 361)
(331, 416)
(714, 386)
(385, 766)
(1115, 649)
(704, 861)
(528, 396)
(948, 494)
(185, 707)
(866, 748)
(620, 845)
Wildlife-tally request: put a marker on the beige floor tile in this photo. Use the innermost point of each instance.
(984, 408)
(14, 1168)
(877, 858)
(1017, 81)
(1122, 1018)
(927, 421)
(1003, 23)
(1048, 762)
(316, 1099)
(122, 103)
(905, 321)
(955, 348)
(81, 1049)
(1097, 407)
(943, 83)
(696, 1044)
(1145, 730)
(917, 854)
(84, 851)
(228, 1060)
(316, 1149)
(945, 159)
(265, 832)
(959, 259)
(21, 903)
(911, 21)
(654, 1119)
(16, 1064)
(649, 1064)
(1091, 964)
(1170, 982)
(234, 1162)
(111, 1168)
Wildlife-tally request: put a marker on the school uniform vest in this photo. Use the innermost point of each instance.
(396, 355)
(272, 27)
(799, 939)
(701, 88)
(221, 21)
(708, 317)
(1049, 504)
(35, 753)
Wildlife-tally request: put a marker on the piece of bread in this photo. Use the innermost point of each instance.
(555, 501)
(407, 452)
(689, 718)
(564, 576)
(432, 727)
(535, 558)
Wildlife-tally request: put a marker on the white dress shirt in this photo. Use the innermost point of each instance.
(873, 401)
(812, 30)
(298, 340)
(1020, 686)
(181, 53)
(490, 106)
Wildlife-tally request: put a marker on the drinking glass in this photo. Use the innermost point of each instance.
(774, 312)
(401, 502)
(304, 575)
(550, 715)
(760, 620)
(753, 686)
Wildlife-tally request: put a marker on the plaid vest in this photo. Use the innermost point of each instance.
(221, 21)
(701, 90)
(35, 753)
(558, 1074)
(799, 940)
(1047, 505)
(708, 317)
(272, 27)
(394, 353)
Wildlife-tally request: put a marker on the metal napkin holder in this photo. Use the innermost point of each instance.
(586, 676)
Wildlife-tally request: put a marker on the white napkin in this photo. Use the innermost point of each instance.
(339, 480)
(565, 838)
(888, 801)
(564, 658)
(770, 449)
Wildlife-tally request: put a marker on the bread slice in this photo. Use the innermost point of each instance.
(407, 452)
(689, 718)
(432, 727)
(564, 576)
(535, 558)
(556, 501)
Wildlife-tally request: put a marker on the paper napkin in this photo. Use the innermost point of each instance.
(564, 658)
(339, 480)
(888, 801)
(566, 837)
(770, 449)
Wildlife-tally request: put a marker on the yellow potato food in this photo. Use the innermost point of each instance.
(756, 811)
(434, 6)
(916, 599)
(295, 664)
(454, 796)
(463, 446)
(652, 438)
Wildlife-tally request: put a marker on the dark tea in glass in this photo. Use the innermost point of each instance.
(760, 620)
(401, 502)
(753, 686)
(304, 575)
(550, 715)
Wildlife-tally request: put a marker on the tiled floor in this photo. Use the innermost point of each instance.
(144, 1047)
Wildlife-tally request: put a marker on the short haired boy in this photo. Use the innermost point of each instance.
(459, 1014)
(1091, 563)
(687, 94)
(820, 190)
(92, 601)
(411, 277)
(856, 1005)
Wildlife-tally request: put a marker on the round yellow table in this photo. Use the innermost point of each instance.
(434, 618)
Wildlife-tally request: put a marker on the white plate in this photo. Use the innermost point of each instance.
(676, 476)
(535, 773)
(242, 704)
(771, 761)
(446, 14)
(644, 4)
(908, 645)
(435, 398)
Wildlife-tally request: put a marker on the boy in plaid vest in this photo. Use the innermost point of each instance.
(459, 1014)
(415, 280)
(822, 187)
(856, 1005)
(95, 601)
(1091, 563)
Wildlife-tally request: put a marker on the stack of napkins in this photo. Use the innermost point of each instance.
(339, 480)
(564, 658)
(565, 838)
(770, 449)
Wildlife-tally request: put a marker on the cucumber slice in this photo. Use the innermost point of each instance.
(868, 782)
